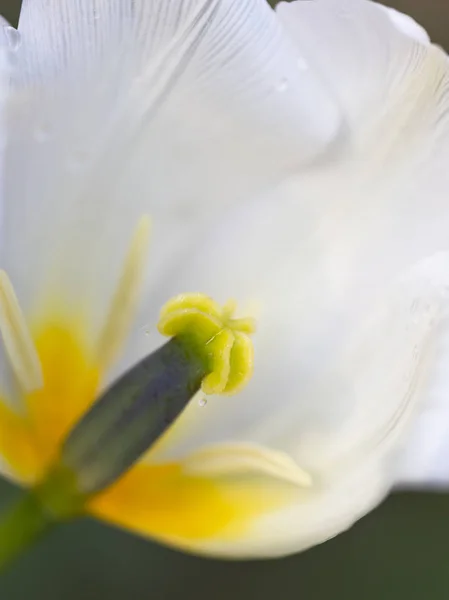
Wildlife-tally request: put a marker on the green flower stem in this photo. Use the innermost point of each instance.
(21, 526)
(54, 500)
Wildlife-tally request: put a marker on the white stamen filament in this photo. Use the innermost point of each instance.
(126, 296)
(17, 339)
(237, 459)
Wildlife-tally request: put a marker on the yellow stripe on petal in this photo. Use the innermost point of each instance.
(71, 378)
(169, 504)
(17, 445)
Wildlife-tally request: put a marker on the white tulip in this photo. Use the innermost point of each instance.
(295, 160)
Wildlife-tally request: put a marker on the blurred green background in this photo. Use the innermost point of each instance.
(399, 551)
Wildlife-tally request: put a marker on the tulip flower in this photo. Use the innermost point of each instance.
(291, 159)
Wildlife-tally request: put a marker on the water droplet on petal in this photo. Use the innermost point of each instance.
(202, 401)
(13, 37)
(282, 85)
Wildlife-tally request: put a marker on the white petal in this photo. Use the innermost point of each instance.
(349, 265)
(407, 25)
(177, 109)
(317, 516)
(378, 72)
(339, 407)
(422, 456)
(5, 70)
(5, 373)
(331, 380)
(347, 259)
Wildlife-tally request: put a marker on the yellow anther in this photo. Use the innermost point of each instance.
(226, 341)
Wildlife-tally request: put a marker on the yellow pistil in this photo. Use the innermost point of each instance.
(225, 339)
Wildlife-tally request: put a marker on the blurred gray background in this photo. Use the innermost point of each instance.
(400, 551)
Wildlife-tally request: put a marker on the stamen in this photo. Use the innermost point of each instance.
(124, 301)
(237, 459)
(17, 339)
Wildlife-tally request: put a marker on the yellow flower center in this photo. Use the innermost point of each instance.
(59, 370)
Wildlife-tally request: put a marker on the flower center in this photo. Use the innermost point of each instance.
(99, 440)
(208, 349)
